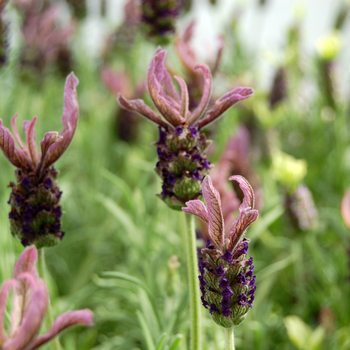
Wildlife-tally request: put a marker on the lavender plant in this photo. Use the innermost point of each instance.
(29, 307)
(226, 279)
(181, 148)
(35, 216)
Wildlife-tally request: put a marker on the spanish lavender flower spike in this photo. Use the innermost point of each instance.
(35, 216)
(226, 275)
(181, 147)
(29, 307)
(159, 18)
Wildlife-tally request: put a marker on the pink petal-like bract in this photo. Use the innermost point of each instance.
(166, 104)
(197, 207)
(225, 102)
(216, 220)
(15, 155)
(62, 322)
(140, 107)
(345, 209)
(197, 113)
(247, 214)
(69, 121)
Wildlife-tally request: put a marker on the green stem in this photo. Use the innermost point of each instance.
(229, 339)
(55, 344)
(192, 263)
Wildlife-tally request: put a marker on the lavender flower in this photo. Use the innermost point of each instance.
(29, 307)
(35, 216)
(181, 148)
(226, 279)
(159, 18)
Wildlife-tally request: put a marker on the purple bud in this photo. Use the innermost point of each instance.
(57, 212)
(196, 175)
(194, 131)
(242, 299)
(224, 282)
(206, 163)
(252, 280)
(160, 153)
(225, 302)
(253, 289)
(212, 309)
(162, 136)
(25, 242)
(220, 271)
(250, 261)
(227, 292)
(204, 302)
(179, 130)
(25, 182)
(56, 228)
(47, 183)
(196, 157)
(59, 195)
(19, 199)
(227, 256)
(12, 215)
(171, 179)
(249, 274)
(226, 311)
(242, 278)
(26, 230)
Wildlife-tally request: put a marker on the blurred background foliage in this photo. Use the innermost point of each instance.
(123, 253)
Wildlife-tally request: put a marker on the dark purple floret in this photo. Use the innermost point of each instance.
(204, 302)
(225, 302)
(250, 261)
(227, 292)
(47, 183)
(171, 179)
(162, 136)
(59, 195)
(252, 268)
(12, 215)
(57, 212)
(197, 175)
(56, 228)
(226, 311)
(242, 299)
(252, 280)
(242, 278)
(227, 256)
(196, 157)
(224, 282)
(19, 199)
(212, 309)
(252, 291)
(201, 280)
(194, 131)
(206, 163)
(62, 235)
(179, 130)
(164, 191)
(249, 274)
(245, 248)
(160, 153)
(26, 230)
(220, 271)
(25, 182)
(25, 242)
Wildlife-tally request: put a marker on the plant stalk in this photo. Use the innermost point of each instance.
(55, 344)
(192, 263)
(229, 339)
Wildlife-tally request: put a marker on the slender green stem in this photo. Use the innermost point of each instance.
(55, 344)
(192, 263)
(229, 339)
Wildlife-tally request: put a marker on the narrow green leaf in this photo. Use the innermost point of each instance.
(175, 344)
(161, 341)
(145, 330)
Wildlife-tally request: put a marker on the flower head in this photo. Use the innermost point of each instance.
(181, 148)
(227, 280)
(29, 307)
(35, 211)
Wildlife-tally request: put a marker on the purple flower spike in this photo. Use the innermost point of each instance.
(30, 304)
